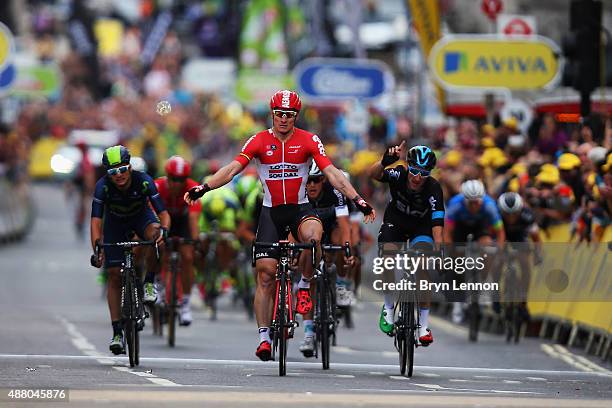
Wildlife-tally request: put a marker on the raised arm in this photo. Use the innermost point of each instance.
(341, 183)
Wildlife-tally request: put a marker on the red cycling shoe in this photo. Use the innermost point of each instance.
(264, 351)
(427, 339)
(304, 301)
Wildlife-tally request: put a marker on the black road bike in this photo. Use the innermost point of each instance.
(325, 316)
(133, 313)
(283, 318)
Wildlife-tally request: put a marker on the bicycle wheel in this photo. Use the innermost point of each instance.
(474, 313)
(130, 337)
(281, 334)
(406, 338)
(172, 308)
(136, 347)
(324, 309)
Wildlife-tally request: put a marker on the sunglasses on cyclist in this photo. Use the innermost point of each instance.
(177, 179)
(415, 171)
(283, 113)
(315, 179)
(117, 170)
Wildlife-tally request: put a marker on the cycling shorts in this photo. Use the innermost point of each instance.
(275, 223)
(119, 229)
(416, 234)
(179, 227)
(461, 232)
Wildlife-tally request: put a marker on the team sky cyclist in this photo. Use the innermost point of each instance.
(414, 214)
(120, 208)
(519, 226)
(331, 208)
(473, 212)
(283, 155)
(184, 223)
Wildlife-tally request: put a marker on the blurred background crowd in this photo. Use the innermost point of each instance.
(103, 66)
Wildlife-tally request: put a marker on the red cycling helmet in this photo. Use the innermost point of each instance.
(286, 100)
(176, 166)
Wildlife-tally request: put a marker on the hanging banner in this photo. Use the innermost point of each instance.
(426, 20)
(155, 38)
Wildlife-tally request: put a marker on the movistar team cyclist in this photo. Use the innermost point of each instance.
(330, 206)
(414, 214)
(519, 226)
(184, 220)
(122, 198)
(473, 212)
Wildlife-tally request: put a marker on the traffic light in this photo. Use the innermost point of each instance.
(581, 46)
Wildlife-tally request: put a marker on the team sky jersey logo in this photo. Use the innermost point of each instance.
(281, 171)
(394, 174)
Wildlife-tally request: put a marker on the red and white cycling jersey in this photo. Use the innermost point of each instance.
(175, 204)
(283, 166)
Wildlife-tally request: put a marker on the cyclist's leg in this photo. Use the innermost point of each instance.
(147, 227)
(424, 242)
(390, 238)
(114, 231)
(265, 269)
(344, 283)
(310, 228)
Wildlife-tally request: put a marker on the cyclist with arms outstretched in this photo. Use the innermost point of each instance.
(283, 155)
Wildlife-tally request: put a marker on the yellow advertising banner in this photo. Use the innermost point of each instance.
(484, 61)
(7, 45)
(426, 20)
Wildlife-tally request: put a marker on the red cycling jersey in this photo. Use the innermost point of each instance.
(175, 204)
(283, 166)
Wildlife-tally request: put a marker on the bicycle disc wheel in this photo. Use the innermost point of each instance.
(281, 334)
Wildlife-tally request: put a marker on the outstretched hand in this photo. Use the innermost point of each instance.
(393, 154)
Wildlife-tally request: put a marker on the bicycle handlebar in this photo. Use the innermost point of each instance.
(346, 248)
(127, 244)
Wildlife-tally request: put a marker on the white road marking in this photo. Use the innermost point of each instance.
(399, 377)
(83, 345)
(385, 368)
(512, 382)
(458, 380)
(440, 388)
(581, 363)
(562, 350)
(536, 379)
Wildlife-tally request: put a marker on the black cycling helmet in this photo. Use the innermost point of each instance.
(115, 155)
(422, 157)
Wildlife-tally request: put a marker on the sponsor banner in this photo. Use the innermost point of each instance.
(109, 34)
(518, 272)
(342, 79)
(7, 46)
(485, 62)
(36, 81)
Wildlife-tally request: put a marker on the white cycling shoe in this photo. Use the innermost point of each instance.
(344, 297)
(185, 317)
(307, 346)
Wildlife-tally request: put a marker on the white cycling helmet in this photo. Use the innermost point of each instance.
(314, 170)
(510, 203)
(473, 190)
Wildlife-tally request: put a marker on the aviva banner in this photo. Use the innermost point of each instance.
(484, 61)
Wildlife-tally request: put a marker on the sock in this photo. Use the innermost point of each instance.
(117, 327)
(308, 328)
(423, 316)
(264, 334)
(388, 301)
(304, 283)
